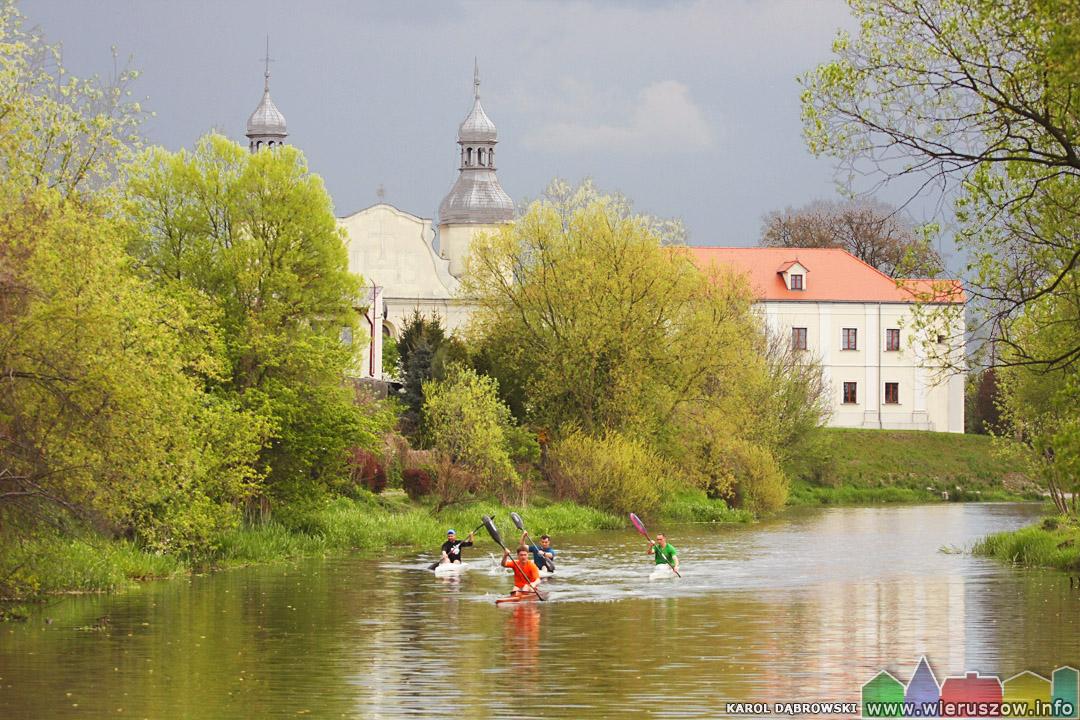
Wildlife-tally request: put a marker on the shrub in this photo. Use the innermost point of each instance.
(453, 482)
(417, 482)
(366, 470)
(760, 486)
(613, 473)
(466, 422)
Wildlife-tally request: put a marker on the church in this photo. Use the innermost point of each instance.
(857, 322)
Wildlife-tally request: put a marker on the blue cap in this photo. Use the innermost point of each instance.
(451, 532)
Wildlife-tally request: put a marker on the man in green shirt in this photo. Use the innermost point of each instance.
(665, 553)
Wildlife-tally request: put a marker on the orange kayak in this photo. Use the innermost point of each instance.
(517, 597)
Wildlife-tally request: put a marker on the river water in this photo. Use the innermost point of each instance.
(803, 608)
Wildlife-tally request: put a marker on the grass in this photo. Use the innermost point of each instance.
(83, 564)
(1055, 543)
(910, 466)
(695, 506)
(367, 525)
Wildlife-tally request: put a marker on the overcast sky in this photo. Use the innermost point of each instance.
(689, 108)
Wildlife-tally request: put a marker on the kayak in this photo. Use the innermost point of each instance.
(445, 569)
(517, 597)
(662, 572)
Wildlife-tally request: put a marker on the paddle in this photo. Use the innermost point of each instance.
(494, 532)
(438, 562)
(641, 529)
(521, 526)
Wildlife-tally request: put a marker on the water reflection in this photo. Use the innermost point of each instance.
(802, 608)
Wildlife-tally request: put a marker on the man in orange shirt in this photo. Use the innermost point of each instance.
(527, 576)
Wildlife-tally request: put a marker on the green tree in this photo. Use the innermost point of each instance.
(99, 418)
(249, 244)
(979, 97)
(976, 97)
(598, 326)
(467, 423)
(426, 352)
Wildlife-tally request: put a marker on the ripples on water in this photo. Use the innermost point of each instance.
(803, 608)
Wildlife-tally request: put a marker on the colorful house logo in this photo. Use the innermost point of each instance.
(1024, 695)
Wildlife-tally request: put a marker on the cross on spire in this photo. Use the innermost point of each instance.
(267, 59)
(476, 78)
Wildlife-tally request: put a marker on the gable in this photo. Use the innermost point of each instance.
(393, 249)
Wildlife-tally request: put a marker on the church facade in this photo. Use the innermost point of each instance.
(411, 264)
(857, 322)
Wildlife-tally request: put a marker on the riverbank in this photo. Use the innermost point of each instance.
(910, 466)
(1053, 543)
(862, 467)
(367, 524)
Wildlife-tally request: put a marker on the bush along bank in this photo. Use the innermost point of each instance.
(1053, 543)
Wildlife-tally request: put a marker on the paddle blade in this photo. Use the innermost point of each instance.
(638, 524)
(517, 521)
(493, 531)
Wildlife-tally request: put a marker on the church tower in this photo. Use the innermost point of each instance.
(266, 126)
(476, 202)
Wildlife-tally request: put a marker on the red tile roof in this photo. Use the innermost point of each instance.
(836, 275)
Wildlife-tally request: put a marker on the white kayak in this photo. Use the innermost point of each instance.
(663, 572)
(454, 568)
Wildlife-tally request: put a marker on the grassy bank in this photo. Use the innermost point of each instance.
(1054, 543)
(906, 466)
(369, 524)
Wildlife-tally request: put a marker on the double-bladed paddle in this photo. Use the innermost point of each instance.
(494, 532)
(641, 529)
(521, 526)
(438, 562)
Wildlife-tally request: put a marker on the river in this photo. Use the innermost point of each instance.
(802, 608)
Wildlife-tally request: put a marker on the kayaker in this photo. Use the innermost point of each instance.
(664, 552)
(451, 549)
(544, 555)
(527, 576)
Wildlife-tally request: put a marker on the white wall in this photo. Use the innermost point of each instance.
(928, 399)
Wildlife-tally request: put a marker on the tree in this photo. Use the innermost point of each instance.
(976, 97)
(870, 230)
(426, 352)
(469, 426)
(979, 98)
(599, 326)
(1040, 406)
(249, 243)
(99, 419)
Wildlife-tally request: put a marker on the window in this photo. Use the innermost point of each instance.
(798, 338)
(851, 339)
(892, 393)
(850, 394)
(892, 339)
(796, 282)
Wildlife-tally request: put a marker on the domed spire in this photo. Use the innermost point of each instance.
(476, 202)
(266, 127)
(477, 197)
(477, 126)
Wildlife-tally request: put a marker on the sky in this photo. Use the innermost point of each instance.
(691, 109)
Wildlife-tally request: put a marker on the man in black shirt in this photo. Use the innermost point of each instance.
(451, 549)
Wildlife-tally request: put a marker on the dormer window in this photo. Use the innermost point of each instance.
(793, 273)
